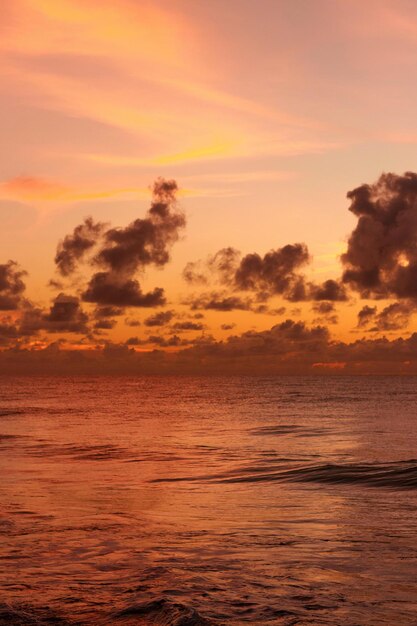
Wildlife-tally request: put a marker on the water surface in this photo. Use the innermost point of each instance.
(237, 500)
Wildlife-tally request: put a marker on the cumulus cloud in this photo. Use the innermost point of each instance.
(65, 315)
(172, 341)
(107, 311)
(219, 267)
(120, 253)
(187, 325)
(331, 290)
(194, 273)
(277, 273)
(381, 258)
(326, 312)
(219, 301)
(394, 317)
(12, 286)
(366, 315)
(159, 319)
(73, 248)
(112, 289)
(105, 324)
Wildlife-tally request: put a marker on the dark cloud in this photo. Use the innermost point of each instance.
(9, 332)
(323, 308)
(188, 325)
(65, 315)
(134, 341)
(109, 288)
(266, 310)
(105, 324)
(107, 311)
(159, 319)
(331, 290)
(381, 258)
(12, 286)
(193, 273)
(122, 252)
(326, 313)
(275, 273)
(129, 321)
(366, 315)
(394, 317)
(220, 267)
(287, 348)
(55, 284)
(224, 265)
(145, 241)
(74, 247)
(167, 342)
(227, 326)
(219, 301)
(104, 317)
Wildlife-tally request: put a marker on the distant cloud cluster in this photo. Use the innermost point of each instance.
(378, 266)
(395, 316)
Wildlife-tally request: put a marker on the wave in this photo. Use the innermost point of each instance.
(161, 612)
(395, 475)
(28, 616)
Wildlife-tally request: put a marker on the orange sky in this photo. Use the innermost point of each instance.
(265, 112)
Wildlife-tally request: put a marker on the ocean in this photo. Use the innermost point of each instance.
(184, 501)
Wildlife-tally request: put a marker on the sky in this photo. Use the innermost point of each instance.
(208, 186)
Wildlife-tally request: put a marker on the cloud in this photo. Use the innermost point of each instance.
(122, 252)
(9, 332)
(167, 342)
(65, 315)
(74, 247)
(112, 289)
(329, 290)
(323, 308)
(219, 301)
(132, 322)
(275, 273)
(31, 188)
(159, 319)
(12, 286)
(381, 258)
(134, 341)
(107, 311)
(105, 324)
(395, 316)
(187, 325)
(194, 273)
(287, 348)
(326, 313)
(366, 315)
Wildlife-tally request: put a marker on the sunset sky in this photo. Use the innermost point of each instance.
(210, 146)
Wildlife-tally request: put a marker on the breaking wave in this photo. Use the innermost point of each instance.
(395, 475)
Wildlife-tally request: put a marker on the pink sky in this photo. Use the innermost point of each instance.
(265, 112)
